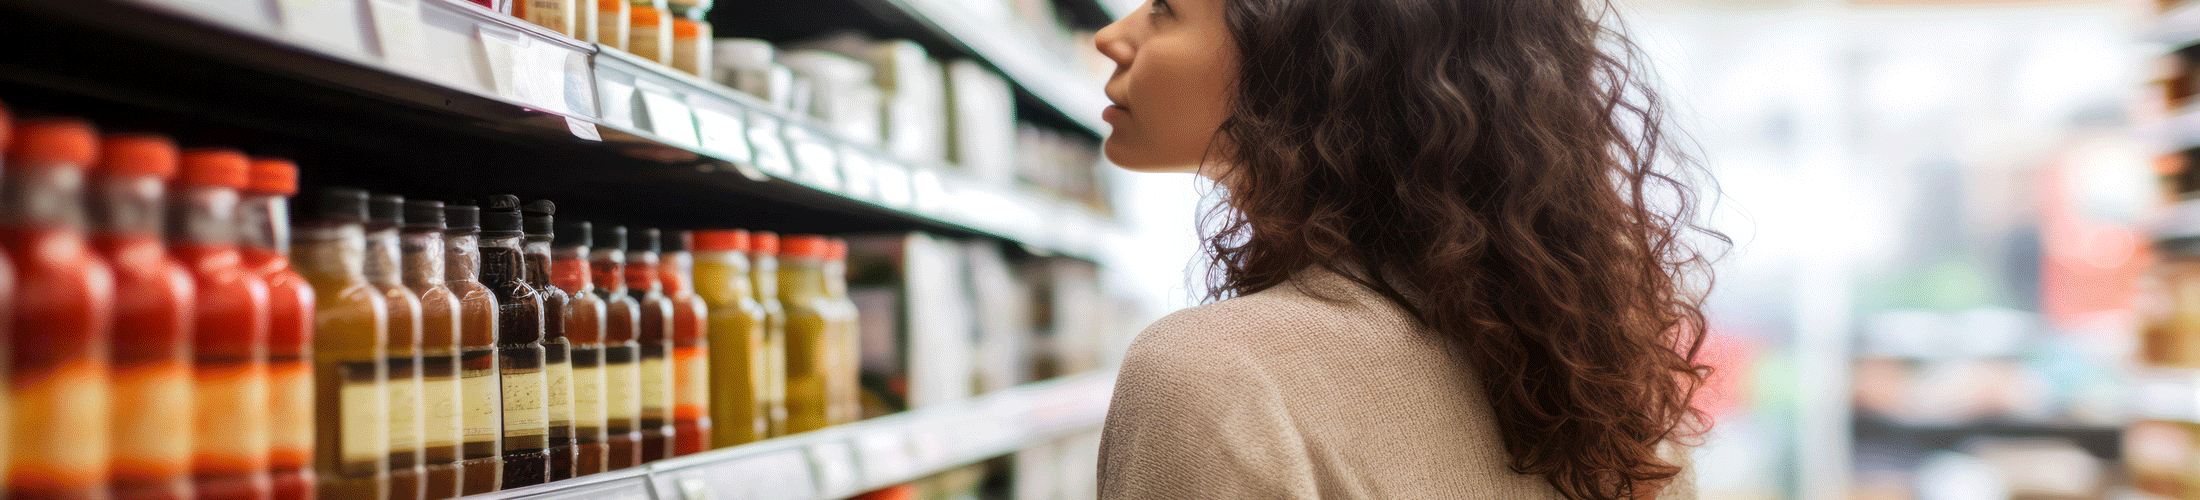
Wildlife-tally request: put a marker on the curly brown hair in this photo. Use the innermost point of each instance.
(1500, 162)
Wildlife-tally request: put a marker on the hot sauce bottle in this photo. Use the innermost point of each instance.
(809, 342)
(621, 354)
(655, 337)
(738, 411)
(230, 328)
(153, 313)
(351, 327)
(264, 220)
(64, 302)
(557, 365)
(764, 274)
(584, 330)
(421, 239)
(691, 421)
(519, 345)
(481, 393)
(7, 315)
(385, 270)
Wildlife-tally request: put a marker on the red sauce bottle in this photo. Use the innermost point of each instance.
(64, 305)
(690, 346)
(265, 221)
(230, 373)
(655, 337)
(153, 313)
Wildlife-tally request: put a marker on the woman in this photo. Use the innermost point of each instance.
(1452, 268)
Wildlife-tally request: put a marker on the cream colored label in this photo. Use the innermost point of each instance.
(554, 14)
(404, 412)
(648, 42)
(158, 396)
(440, 402)
(588, 410)
(560, 376)
(623, 392)
(656, 388)
(524, 412)
(612, 18)
(290, 405)
(479, 389)
(70, 405)
(692, 379)
(364, 417)
(232, 411)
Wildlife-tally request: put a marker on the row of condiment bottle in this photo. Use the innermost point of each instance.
(672, 32)
(448, 349)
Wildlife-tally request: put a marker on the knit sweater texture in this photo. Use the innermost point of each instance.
(1316, 388)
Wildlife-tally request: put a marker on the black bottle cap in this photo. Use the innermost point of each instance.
(642, 240)
(385, 211)
(611, 237)
(341, 205)
(423, 214)
(538, 217)
(572, 233)
(500, 216)
(677, 241)
(462, 217)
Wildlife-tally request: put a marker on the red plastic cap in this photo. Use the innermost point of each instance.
(721, 240)
(804, 245)
(274, 176)
(216, 168)
(136, 155)
(53, 142)
(838, 250)
(764, 243)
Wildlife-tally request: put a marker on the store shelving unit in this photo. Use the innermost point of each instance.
(442, 97)
(1054, 82)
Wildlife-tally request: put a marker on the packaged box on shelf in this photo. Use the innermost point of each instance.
(982, 118)
(916, 100)
(925, 341)
(844, 97)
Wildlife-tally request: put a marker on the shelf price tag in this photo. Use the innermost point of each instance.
(770, 147)
(835, 464)
(813, 158)
(397, 31)
(666, 115)
(335, 24)
(723, 134)
(618, 102)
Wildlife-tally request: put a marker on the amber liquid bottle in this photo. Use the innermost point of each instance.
(481, 392)
(442, 425)
(738, 412)
(809, 336)
(519, 345)
(691, 421)
(584, 331)
(847, 382)
(622, 366)
(230, 329)
(764, 274)
(265, 223)
(64, 305)
(557, 365)
(351, 326)
(385, 270)
(655, 337)
(153, 305)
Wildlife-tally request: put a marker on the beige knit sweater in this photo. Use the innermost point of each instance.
(1284, 394)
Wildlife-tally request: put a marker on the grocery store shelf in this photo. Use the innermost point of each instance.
(507, 106)
(2177, 27)
(1043, 74)
(845, 460)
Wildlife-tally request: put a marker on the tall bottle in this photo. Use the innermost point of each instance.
(649, 30)
(64, 306)
(584, 332)
(351, 326)
(265, 222)
(622, 355)
(443, 425)
(847, 383)
(152, 329)
(385, 270)
(738, 411)
(519, 345)
(691, 422)
(809, 338)
(481, 389)
(655, 337)
(764, 274)
(557, 350)
(7, 318)
(229, 375)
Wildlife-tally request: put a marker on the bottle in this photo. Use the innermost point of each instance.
(229, 373)
(265, 222)
(649, 32)
(519, 344)
(562, 16)
(7, 316)
(64, 305)
(691, 36)
(847, 374)
(622, 355)
(655, 337)
(584, 331)
(612, 20)
(738, 411)
(764, 274)
(481, 390)
(557, 365)
(152, 325)
(808, 342)
(351, 326)
(385, 270)
(691, 421)
(442, 424)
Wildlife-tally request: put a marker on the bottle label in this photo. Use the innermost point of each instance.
(404, 407)
(557, 15)
(623, 393)
(71, 402)
(481, 395)
(691, 381)
(525, 415)
(232, 412)
(588, 398)
(648, 41)
(656, 388)
(439, 399)
(559, 372)
(290, 407)
(612, 17)
(158, 395)
(362, 417)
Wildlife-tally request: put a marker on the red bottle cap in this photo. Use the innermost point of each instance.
(133, 155)
(53, 142)
(216, 168)
(838, 249)
(764, 243)
(274, 176)
(722, 240)
(804, 245)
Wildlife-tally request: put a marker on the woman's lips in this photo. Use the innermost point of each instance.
(1113, 113)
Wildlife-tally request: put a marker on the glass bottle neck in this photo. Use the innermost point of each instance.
(800, 277)
(610, 269)
(385, 257)
(502, 266)
(678, 272)
(205, 216)
(263, 221)
(641, 272)
(731, 267)
(129, 206)
(423, 250)
(536, 251)
(836, 278)
(332, 253)
(570, 270)
(43, 197)
(462, 256)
